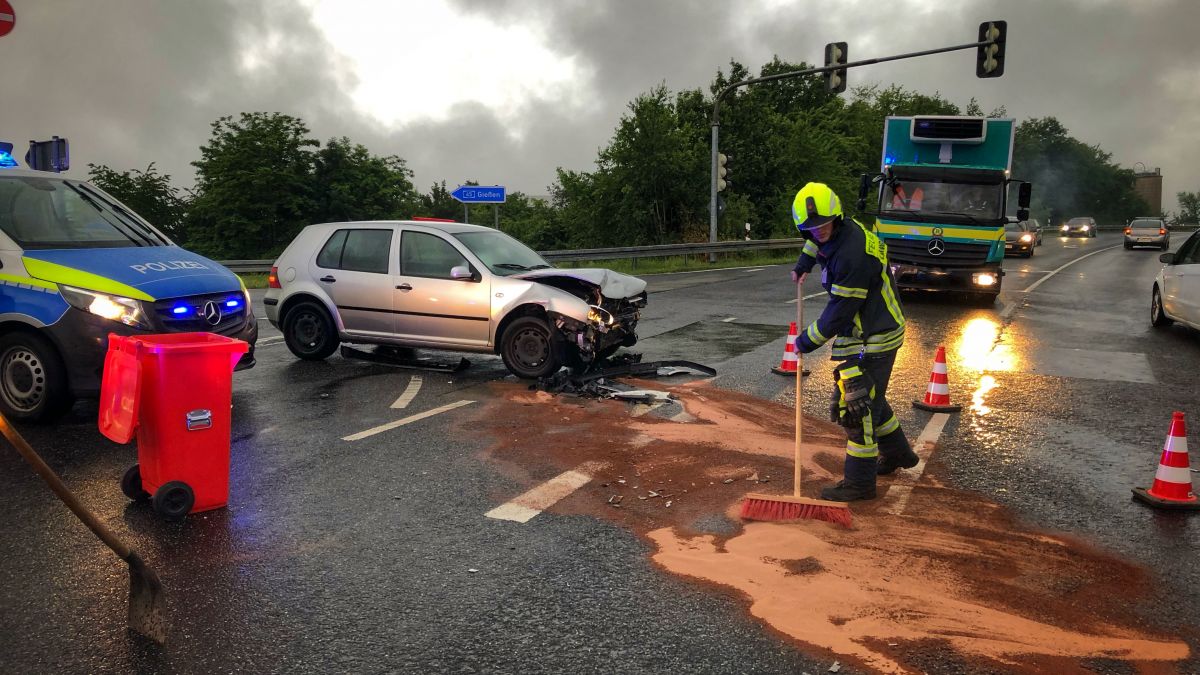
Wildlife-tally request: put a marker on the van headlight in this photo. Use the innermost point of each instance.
(112, 307)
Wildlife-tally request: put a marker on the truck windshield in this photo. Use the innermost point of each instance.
(502, 254)
(975, 201)
(50, 213)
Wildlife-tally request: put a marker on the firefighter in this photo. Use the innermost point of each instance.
(866, 323)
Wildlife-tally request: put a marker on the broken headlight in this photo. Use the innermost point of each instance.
(600, 317)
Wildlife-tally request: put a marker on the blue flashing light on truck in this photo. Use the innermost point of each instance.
(942, 199)
(76, 265)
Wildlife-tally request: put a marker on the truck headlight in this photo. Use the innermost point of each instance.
(112, 307)
(984, 279)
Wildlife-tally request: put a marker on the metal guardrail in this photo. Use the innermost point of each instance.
(657, 251)
(621, 253)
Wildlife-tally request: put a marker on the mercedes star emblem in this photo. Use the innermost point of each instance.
(936, 247)
(212, 313)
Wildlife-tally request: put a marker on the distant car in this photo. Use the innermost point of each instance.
(1176, 292)
(1079, 227)
(450, 286)
(1147, 232)
(1019, 239)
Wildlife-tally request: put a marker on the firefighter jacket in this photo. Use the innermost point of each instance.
(864, 314)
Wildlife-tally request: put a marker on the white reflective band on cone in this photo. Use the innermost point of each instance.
(935, 388)
(790, 356)
(1174, 474)
(939, 368)
(1176, 444)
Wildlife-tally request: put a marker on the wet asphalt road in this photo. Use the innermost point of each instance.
(338, 556)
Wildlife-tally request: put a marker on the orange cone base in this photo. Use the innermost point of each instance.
(937, 408)
(1143, 495)
(780, 371)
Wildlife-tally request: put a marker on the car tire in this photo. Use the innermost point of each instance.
(1158, 317)
(309, 332)
(174, 500)
(33, 379)
(528, 348)
(131, 484)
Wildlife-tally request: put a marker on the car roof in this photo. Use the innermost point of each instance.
(30, 173)
(440, 226)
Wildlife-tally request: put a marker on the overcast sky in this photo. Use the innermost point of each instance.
(504, 92)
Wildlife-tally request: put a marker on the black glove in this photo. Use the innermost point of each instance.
(855, 387)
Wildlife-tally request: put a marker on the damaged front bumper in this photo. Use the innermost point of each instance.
(609, 326)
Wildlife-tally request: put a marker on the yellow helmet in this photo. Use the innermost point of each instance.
(815, 204)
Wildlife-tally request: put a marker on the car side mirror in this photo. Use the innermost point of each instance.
(1167, 258)
(864, 186)
(461, 273)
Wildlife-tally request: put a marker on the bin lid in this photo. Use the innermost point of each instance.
(120, 391)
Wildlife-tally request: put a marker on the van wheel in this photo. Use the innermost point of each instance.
(33, 379)
(309, 332)
(528, 349)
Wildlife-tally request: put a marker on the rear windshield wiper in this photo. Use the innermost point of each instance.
(128, 231)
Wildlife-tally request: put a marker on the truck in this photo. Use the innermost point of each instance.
(942, 196)
(77, 265)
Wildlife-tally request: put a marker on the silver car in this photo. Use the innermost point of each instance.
(1176, 292)
(1147, 232)
(446, 285)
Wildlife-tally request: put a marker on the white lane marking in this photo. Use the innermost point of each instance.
(729, 320)
(1009, 308)
(410, 392)
(523, 508)
(907, 479)
(715, 269)
(1046, 278)
(267, 342)
(407, 420)
(810, 296)
(757, 269)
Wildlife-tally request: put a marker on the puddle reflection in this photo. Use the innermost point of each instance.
(979, 349)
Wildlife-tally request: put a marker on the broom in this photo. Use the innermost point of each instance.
(147, 612)
(794, 507)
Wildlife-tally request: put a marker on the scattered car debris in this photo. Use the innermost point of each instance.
(642, 395)
(472, 570)
(401, 357)
(596, 382)
(835, 667)
(615, 500)
(668, 505)
(727, 481)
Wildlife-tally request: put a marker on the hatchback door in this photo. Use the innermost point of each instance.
(354, 268)
(430, 305)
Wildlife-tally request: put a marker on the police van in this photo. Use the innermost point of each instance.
(77, 265)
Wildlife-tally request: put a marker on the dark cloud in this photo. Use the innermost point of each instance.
(132, 83)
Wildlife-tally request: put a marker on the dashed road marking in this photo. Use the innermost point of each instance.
(523, 508)
(729, 320)
(1039, 282)
(267, 342)
(410, 392)
(407, 420)
(906, 479)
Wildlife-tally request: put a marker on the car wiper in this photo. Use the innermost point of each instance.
(542, 267)
(128, 215)
(512, 266)
(128, 231)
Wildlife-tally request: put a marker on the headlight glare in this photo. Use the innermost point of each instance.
(112, 307)
(1027, 237)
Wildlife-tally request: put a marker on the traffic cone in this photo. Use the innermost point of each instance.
(1172, 487)
(937, 395)
(790, 361)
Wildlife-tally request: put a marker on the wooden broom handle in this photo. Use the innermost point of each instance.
(799, 382)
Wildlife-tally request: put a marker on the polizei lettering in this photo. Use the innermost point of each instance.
(169, 265)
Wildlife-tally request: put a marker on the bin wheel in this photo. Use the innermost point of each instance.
(174, 500)
(131, 484)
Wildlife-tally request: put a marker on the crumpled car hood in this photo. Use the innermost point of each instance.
(612, 284)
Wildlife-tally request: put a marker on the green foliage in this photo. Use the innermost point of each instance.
(351, 184)
(1189, 207)
(439, 204)
(149, 193)
(1071, 178)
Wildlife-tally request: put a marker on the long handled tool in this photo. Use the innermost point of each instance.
(147, 613)
(782, 507)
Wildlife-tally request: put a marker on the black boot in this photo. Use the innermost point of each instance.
(895, 453)
(859, 482)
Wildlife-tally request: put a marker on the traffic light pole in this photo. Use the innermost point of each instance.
(716, 114)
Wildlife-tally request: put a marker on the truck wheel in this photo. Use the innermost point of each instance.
(174, 500)
(309, 332)
(528, 349)
(1158, 318)
(131, 484)
(33, 379)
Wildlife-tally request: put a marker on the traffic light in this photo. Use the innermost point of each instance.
(989, 61)
(835, 55)
(723, 171)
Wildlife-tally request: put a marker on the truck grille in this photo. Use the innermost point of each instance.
(192, 319)
(916, 252)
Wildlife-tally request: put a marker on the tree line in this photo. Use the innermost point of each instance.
(261, 177)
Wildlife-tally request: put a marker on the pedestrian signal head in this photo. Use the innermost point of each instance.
(815, 205)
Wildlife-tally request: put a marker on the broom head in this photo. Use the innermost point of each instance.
(786, 507)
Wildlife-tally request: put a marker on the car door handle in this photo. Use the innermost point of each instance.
(404, 287)
(328, 279)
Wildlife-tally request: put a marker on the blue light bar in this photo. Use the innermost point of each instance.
(233, 303)
(6, 160)
(181, 309)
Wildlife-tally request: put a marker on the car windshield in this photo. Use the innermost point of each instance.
(1075, 222)
(977, 201)
(501, 253)
(1146, 224)
(1014, 227)
(50, 213)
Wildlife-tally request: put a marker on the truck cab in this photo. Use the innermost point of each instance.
(941, 201)
(77, 265)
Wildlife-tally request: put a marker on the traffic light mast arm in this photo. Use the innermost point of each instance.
(716, 113)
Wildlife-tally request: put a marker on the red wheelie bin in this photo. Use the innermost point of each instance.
(174, 391)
